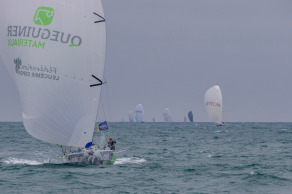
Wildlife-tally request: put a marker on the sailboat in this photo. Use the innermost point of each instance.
(167, 115)
(139, 113)
(213, 104)
(131, 116)
(191, 117)
(55, 54)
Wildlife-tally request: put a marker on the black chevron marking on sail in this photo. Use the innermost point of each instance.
(102, 18)
(99, 84)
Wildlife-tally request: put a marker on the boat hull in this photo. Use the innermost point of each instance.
(220, 124)
(91, 157)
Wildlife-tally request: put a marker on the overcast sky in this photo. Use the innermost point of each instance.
(167, 53)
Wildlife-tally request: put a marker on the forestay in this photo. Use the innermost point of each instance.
(52, 49)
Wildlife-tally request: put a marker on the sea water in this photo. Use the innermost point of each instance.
(156, 158)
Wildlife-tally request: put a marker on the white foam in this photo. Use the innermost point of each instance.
(129, 160)
(21, 161)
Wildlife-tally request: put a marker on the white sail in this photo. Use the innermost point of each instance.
(52, 49)
(139, 113)
(131, 116)
(167, 115)
(213, 104)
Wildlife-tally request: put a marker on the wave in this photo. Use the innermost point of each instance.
(132, 160)
(16, 161)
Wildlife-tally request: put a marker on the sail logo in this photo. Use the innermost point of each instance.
(216, 104)
(23, 35)
(38, 37)
(17, 63)
(40, 72)
(44, 16)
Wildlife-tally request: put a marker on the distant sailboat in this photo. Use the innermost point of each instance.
(185, 119)
(139, 113)
(213, 104)
(153, 120)
(166, 115)
(55, 55)
(190, 115)
(131, 116)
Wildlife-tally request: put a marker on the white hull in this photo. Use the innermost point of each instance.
(89, 156)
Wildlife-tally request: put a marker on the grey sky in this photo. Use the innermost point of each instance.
(167, 53)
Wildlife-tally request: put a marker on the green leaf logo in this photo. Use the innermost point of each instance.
(44, 16)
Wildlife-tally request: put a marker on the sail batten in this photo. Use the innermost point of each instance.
(52, 52)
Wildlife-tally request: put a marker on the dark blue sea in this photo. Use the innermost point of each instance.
(156, 158)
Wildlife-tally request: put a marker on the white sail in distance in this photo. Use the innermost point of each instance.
(131, 116)
(139, 113)
(51, 50)
(167, 115)
(213, 104)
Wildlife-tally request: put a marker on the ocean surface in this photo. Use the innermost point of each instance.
(156, 158)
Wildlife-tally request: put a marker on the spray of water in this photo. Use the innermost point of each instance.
(101, 141)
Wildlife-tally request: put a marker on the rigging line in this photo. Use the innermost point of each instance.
(107, 92)
(102, 107)
(100, 101)
(97, 115)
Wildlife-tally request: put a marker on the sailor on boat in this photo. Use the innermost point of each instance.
(111, 144)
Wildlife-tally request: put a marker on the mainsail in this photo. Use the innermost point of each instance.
(213, 104)
(191, 117)
(55, 52)
(139, 113)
